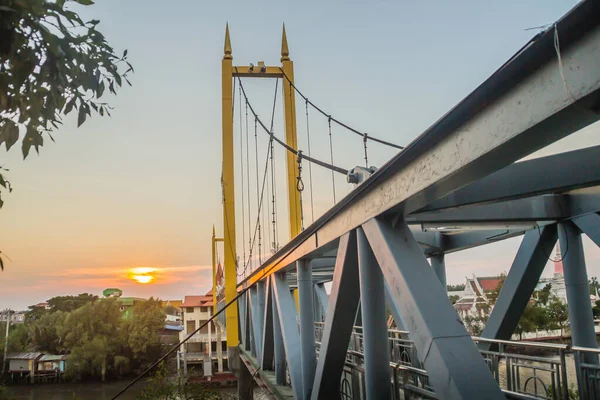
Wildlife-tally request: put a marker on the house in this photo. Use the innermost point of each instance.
(52, 362)
(127, 304)
(197, 310)
(43, 305)
(23, 364)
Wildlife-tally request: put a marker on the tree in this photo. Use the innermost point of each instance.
(533, 317)
(454, 298)
(594, 285)
(48, 332)
(70, 303)
(170, 310)
(92, 334)
(455, 288)
(543, 295)
(51, 62)
(558, 316)
(142, 332)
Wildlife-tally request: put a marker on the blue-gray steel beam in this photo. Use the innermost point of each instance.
(259, 318)
(375, 335)
(307, 325)
(523, 276)
(524, 109)
(287, 314)
(453, 363)
(581, 318)
(393, 310)
(267, 347)
(439, 268)
(467, 240)
(253, 320)
(570, 170)
(322, 297)
(590, 225)
(341, 313)
(278, 347)
(242, 319)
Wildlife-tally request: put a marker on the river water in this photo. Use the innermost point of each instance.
(89, 391)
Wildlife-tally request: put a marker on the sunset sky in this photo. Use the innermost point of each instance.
(142, 189)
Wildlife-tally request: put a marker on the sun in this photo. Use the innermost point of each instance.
(142, 275)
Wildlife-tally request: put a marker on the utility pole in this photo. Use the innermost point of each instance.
(6, 340)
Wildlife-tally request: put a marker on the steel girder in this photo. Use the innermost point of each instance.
(443, 345)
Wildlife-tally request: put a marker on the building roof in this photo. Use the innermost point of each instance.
(196, 301)
(23, 356)
(52, 357)
(489, 283)
(173, 303)
(174, 327)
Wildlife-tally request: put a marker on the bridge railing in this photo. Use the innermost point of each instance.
(523, 370)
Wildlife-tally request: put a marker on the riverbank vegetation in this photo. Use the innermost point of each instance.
(98, 341)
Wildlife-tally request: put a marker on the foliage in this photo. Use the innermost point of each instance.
(51, 62)
(454, 288)
(596, 309)
(454, 298)
(594, 285)
(572, 393)
(34, 313)
(558, 316)
(48, 332)
(70, 303)
(160, 387)
(92, 337)
(544, 295)
(141, 332)
(170, 310)
(533, 317)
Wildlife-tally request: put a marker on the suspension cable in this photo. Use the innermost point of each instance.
(300, 187)
(242, 180)
(247, 171)
(331, 159)
(359, 133)
(310, 185)
(257, 194)
(365, 146)
(275, 243)
(286, 146)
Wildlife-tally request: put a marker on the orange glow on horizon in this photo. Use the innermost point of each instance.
(143, 275)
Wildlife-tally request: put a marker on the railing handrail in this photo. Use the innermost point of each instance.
(523, 343)
(587, 349)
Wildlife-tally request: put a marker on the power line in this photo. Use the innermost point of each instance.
(337, 121)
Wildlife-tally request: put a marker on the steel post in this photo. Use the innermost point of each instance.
(278, 347)
(453, 363)
(307, 325)
(523, 276)
(578, 294)
(375, 335)
(266, 359)
(439, 267)
(341, 313)
(286, 309)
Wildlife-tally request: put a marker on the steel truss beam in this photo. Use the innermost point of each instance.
(443, 345)
(590, 225)
(267, 345)
(568, 171)
(287, 314)
(523, 276)
(339, 322)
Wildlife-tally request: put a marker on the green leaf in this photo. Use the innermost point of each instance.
(101, 111)
(32, 138)
(100, 90)
(2, 181)
(82, 115)
(124, 53)
(69, 106)
(10, 133)
(85, 2)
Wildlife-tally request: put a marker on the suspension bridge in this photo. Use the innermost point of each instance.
(454, 187)
(308, 319)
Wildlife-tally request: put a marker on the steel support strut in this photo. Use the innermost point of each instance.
(286, 310)
(267, 346)
(341, 312)
(307, 325)
(443, 345)
(375, 335)
(278, 347)
(576, 282)
(520, 283)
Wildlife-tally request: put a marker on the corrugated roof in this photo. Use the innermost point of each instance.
(23, 356)
(53, 357)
